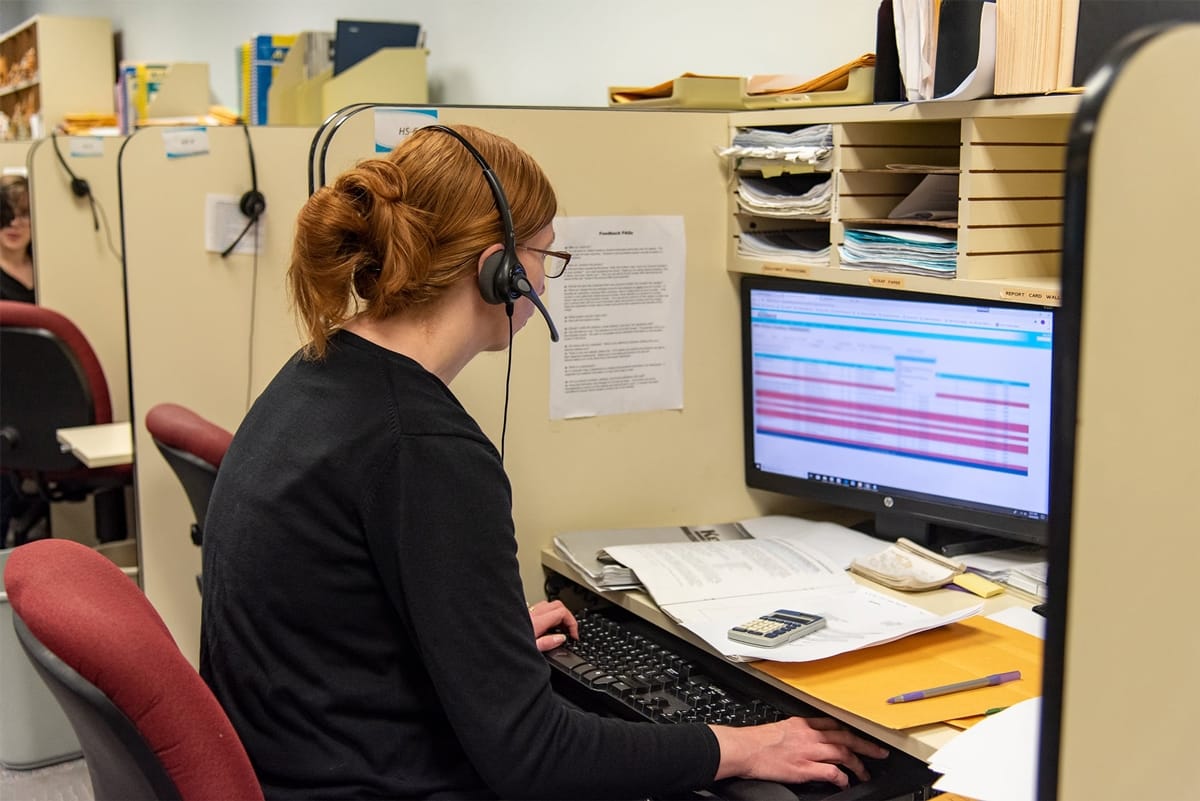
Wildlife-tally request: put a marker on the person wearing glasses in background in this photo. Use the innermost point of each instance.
(16, 283)
(16, 240)
(364, 623)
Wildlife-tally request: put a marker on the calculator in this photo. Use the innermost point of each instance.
(777, 628)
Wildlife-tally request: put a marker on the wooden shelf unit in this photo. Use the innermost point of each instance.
(55, 65)
(1008, 155)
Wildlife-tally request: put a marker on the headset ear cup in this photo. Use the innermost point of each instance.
(495, 278)
(80, 188)
(253, 204)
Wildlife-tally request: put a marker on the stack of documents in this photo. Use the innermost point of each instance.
(709, 587)
(1022, 568)
(994, 760)
(807, 246)
(586, 550)
(811, 145)
(901, 250)
(804, 196)
(1031, 579)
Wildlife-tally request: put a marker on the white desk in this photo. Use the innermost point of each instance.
(99, 446)
(919, 741)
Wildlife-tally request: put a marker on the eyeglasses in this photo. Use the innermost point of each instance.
(554, 262)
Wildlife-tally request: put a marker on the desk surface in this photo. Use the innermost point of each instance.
(920, 741)
(99, 446)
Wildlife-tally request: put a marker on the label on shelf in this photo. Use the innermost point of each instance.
(886, 281)
(799, 270)
(1051, 296)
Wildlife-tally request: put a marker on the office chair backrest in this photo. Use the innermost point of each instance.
(51, 379)
(148, 725)
(193, 447)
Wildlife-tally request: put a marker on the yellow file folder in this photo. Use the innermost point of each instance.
(862, 681)
(849, 84)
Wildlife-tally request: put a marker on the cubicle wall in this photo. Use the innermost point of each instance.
(78, 256)
(13, 154)
(190, 325)
(205, 331)
(1121, 658)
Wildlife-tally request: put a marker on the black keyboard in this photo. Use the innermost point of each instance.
(626, 667)
(618, 662)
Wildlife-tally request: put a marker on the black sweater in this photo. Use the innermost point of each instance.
(364, 623)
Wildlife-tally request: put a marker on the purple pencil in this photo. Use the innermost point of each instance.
(970, 684)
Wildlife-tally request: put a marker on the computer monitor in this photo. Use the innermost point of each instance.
(931, 412)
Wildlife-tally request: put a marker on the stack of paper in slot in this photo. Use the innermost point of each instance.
(805, 196)
(901, 250)
(807, 246)
(812, 145)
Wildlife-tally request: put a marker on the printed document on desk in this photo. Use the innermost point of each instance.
(712, 586)
(586, 550)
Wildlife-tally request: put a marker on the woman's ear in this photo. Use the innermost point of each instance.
(496, 274)
(483, 256)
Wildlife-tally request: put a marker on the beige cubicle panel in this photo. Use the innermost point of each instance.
(13, 155)
(1124, 545)
(78, 256)
(206, 332)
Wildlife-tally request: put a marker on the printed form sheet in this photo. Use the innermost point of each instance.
(620, 307)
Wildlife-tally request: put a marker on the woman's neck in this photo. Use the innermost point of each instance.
(441, 340)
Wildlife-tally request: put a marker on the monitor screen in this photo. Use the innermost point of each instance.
(931, 412)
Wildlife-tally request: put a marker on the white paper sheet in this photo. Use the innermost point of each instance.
(620, 310)
(1022, 619)
(994, 760)
(981, 82)
(857, 617)
(224, 222)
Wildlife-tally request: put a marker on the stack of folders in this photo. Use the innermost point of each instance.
(811, 146)
(901, 250)
(1023, 569)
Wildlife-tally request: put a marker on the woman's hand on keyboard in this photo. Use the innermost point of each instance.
(548, 616)
(795, 750)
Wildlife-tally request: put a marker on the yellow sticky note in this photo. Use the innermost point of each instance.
(972, 582)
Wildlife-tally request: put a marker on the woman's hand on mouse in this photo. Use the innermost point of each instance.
(795, 750)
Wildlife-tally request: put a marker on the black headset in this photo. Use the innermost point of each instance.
(252, 203)
(502, 279)
(79, 187)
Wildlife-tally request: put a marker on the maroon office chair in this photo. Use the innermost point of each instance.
(148, 725)
(51, 380)
(193, 448)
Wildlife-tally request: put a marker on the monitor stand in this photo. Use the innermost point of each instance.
(946, 540)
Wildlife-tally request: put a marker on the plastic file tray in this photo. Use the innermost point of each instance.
(730, 93)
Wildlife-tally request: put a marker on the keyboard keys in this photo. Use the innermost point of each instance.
(650, 680)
